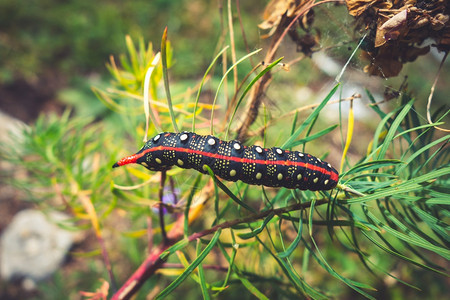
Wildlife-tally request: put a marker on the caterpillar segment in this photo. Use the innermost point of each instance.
(232, 161)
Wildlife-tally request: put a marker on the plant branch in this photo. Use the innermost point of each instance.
(153, 262)
(261, 86)
(162, 207)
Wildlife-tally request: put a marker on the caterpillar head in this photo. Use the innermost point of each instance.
(149, 156)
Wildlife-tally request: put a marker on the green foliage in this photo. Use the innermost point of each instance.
(64, 157)
(393, 217)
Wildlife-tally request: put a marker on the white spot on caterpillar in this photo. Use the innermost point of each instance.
(316, 180)
(301, 154)
(258, 149)
(156, 138)
(299, 177)
(211, 141)
(258, 176)
(158, 160)
(319, 159)
(180, 162)
(280, 176)
(325, 182)
(237, 146)
(279, 151)
(233, 173)
(183, 137)
(329, 166)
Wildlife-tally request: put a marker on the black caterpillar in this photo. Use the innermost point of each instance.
(233, 161)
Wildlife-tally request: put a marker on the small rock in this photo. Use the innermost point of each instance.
(32, 246)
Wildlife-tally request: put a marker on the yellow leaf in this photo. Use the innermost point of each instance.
(351, 122)
(170, 271)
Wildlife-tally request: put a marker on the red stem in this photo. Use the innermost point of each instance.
(153, 262)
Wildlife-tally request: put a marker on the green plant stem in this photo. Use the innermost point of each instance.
(166, 78)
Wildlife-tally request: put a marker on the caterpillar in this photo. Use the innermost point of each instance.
(230, 160)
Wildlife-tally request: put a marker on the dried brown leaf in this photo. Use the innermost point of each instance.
(400, 27)
(357, 7)
(393, 29)
(275, 10)
(383, 66)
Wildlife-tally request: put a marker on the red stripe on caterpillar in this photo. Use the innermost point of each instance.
(230, 160)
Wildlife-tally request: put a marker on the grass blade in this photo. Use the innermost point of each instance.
(421, 150)
(252, 289)
(258, 230)
(348, 140)
(188, 205)
(396, 254)
(201, 275)
(314, 136)
(191, 267)
(247, 89)
(227, 191)
(311, 117)
(222, 81)
(166, 78)
(202, 83)
(408, 186)
(371, 165)
(410, 237)
(295, 242)
(393, 128)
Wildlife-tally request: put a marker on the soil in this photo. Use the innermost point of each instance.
(25, 100)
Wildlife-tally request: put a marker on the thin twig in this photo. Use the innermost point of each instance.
(209, 267)
(244, 36)
(303, 108)
(254, 217)
(166, 78)
(149, 232)
(162, 207)
(432, 93)
(233, 45)
(260, 87)
(234, 99)
(350, 190)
